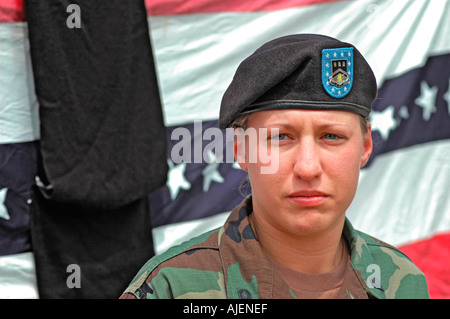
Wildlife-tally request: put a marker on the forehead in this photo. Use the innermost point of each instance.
(298, 117)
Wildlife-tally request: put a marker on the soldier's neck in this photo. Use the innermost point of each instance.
(316, 254)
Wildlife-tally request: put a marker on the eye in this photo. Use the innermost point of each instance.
(279, 137)
(330, 136)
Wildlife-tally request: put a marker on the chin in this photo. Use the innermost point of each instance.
(311, 221)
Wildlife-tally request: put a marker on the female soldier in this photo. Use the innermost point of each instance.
(308, 98)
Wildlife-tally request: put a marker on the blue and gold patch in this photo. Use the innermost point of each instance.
(337, 71)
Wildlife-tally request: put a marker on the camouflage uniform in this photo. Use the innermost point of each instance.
(229, 263)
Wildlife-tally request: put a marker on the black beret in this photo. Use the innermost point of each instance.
(302, 71)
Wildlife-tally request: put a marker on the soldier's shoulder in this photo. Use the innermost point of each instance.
(379, 247)
(205, 241)
(400, 276)
(197, 253)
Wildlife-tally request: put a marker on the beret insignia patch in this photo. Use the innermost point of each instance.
(337, 71)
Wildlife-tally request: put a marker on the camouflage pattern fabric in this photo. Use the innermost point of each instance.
(229, 262)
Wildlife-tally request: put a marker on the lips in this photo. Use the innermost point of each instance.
(308, 198)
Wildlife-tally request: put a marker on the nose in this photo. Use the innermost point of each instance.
(307, 163)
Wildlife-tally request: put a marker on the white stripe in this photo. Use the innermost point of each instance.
(404, 195)
(170, 235)
(18, 104)
(197, 54)
(17, 277)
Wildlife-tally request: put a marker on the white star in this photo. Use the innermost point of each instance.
(427, 100)
(404, 113)
(210, 172)
(176, 179)
(3, 210)
(447, 96)
(384, 121)
(236, 165)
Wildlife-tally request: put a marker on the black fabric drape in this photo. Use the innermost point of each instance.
(109, 247)
(103, 143)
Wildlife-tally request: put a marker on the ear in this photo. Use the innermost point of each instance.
(367, 146)
(239, 150)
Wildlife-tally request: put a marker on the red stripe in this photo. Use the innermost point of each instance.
(432, 256)
(173, 7)
(13, 10)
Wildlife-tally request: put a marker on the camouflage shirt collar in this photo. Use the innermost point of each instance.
(362, 260)
(248, 273)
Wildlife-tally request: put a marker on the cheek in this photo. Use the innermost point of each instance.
(266, 186)
(259, 179)
(346, 164)
(343, 172)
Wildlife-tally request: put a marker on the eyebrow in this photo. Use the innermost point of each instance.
(283, 125)
(327, 125)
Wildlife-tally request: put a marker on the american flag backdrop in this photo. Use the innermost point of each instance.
(404, 192)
